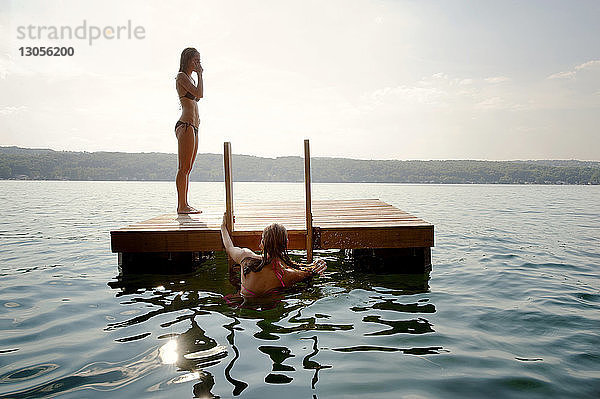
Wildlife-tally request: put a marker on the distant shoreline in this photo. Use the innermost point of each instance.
(292, 182)
(42, 164)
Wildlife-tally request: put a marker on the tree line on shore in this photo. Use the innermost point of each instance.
(42, 164)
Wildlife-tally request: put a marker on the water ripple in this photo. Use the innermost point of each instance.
(510, 309)
(101, 376)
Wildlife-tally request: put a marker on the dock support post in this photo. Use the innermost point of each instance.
(228, 186)
(309, 220)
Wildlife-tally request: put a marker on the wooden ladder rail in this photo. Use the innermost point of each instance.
(229, 214)
(309, 218)
(229, 206)
(228, 186)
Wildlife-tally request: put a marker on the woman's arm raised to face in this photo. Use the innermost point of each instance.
(198, 90)
(235, 253)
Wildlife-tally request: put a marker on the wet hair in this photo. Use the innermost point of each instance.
(186, 56)
(274, 238)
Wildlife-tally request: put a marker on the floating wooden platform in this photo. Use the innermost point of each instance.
(339, 224)
(371, 228)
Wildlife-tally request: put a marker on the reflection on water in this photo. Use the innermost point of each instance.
(193, 351)
(238, 386)
(512, 312)
(318, 307)
(168, 352)
(309, 364)
(277, 342)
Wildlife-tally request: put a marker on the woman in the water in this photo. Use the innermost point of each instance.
(274, 270)
(186, 128)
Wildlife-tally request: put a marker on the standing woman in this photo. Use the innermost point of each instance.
(186, 128)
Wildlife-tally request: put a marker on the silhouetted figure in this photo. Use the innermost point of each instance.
(186, 128)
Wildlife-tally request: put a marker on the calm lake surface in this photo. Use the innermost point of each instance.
(511, 308)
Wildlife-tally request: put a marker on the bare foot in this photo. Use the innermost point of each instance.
(188, 209)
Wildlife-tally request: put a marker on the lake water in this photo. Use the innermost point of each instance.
(511, 308)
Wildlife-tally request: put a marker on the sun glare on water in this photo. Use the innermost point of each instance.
(168, 352)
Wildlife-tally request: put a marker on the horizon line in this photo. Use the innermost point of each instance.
(313, 157)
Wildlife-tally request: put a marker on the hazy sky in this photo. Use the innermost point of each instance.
(361, 79)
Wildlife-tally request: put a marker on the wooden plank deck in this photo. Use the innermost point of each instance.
(340, 224)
